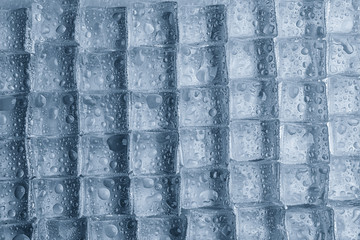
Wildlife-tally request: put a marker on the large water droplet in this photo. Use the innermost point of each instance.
(58, 209)
(21, 237)
(59, 188)
(19, 192)
(61, 29)
(148, 183)
(104, 193)
(149, 28)
(111, 231)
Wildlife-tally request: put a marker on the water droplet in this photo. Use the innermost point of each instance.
(59, 188)
(111, 231)
(21, 237)
(293, 91)
(154, 101)
(70, 119)
(3, 119)
(58, 209)
(212, 112)
(149, 28)
(11, 213)
(148, 183)
(104, 193)
(61, 29)
(19, 192)
(40, 101)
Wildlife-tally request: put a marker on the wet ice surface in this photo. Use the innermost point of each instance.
(177, 120)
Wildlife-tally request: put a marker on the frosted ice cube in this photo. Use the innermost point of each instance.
(54, 20)
(303, 102)
(210, 224)
(343, 95)
(14, 25)
(98, 71)
(14, 68)
(154, 24)
(62, 229)
(251, 58)
(253, 99)
(343, 55)
(204, 187)
(104, 154)
(156, 195)
(254, 140)
(251, 18)
(105, 196)
(202, 66)
(14, 200)
(344, 136)
(303, 184)
(168, 227)
(200, 147)
(152, 68)
(154, 152)
(304, 143)
(53, 156)
(343, 16)
(13, 115)
(153, 111)
(17, 231)
(344, 179)
(264, 222)
(103, 112)
(300, 58)
(52, 113)
(115, 227)
(204, 107)
(102, 28)
(13, 162)
(55, 197)
(254, 182)
(309, 223)
(301, 18)
(199, 25)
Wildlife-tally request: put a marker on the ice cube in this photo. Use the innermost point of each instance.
(251, 18)
(55, 197)
(156, 195)
(105, 196)
(152, 68)
(53, 67)
(54, 20)
(251, 58)
(253, 99)
(306, 222)
(17, 231)
(103, 112)
(52, 113)
(344, 136)
(344, 179)
(303, 184)
(168, 227)
(14, 200)
(13, 162)
(303, 102)
(62, 229)
(115, 227)
(346, 220)
(301, 18)
(210, 224)
(153, 111)
(53, 156)
(343, 16)
(154, 24)
(343, 55)
(254, 140)
(254, 182)
(102, 28)
(14, 72)
(265, 222)
(102, 71)
(300, 58)
(204, 106)
(13, 115)
(104, 154)
(343, 95)
(199, 25)
(154, 152)
(202, 66)
(14, 25)
(204, 146)
(304, 143)
(204, 187)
